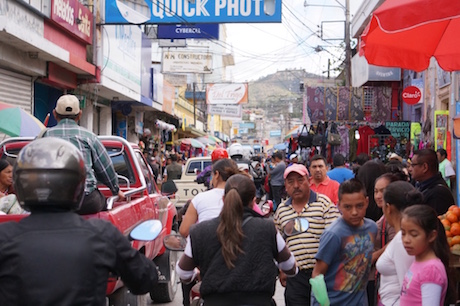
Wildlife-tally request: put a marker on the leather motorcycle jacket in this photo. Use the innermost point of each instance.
(61, 259)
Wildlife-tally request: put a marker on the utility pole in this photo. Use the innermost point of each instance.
(347, 45)
(194, 105)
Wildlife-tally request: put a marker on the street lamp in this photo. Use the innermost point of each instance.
(346, 9)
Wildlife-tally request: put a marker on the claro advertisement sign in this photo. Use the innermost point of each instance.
(186, 11)
(74, 17)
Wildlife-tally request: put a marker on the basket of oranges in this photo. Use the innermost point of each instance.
(451, 222)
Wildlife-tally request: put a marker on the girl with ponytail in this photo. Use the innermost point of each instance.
(236, 252)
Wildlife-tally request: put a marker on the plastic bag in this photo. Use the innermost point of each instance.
(318, 286)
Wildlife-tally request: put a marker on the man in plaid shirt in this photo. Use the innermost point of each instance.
(97, 161)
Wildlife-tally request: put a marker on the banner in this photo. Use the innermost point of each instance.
(186, 11)
(233, 111)
(186, 62)
(183, 31)
(234, 93)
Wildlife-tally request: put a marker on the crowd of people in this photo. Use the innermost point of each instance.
(370, 235)
(373, 236)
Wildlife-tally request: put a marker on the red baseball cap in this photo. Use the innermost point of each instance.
(297, 168)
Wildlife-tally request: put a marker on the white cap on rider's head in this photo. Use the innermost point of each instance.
(293, 156)
(297, 168)
(68, 105)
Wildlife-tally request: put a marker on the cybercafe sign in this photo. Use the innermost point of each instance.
(192, 11)
(74, 17)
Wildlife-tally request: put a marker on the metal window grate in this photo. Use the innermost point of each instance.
(368, 94)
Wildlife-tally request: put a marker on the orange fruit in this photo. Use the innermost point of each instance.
(456, 211)
(452, 217)
(451, 207)
(446, 224)
(449, 234)
(455, 240)
(455, 229)
(449, 241)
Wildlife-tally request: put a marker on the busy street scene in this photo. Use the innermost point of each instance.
(229, 152)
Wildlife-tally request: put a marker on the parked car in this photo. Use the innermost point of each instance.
(187, 187)
(143, 202)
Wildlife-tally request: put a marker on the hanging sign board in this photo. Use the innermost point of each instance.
(187, 11)
(183, 31)
(232, 93)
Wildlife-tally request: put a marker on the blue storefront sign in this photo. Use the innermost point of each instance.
(198, 11)
(183, 31)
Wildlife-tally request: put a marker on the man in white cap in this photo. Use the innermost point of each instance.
(97, 161)
(320, 213)
(293, 159)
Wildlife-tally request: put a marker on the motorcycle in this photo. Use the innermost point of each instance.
(175, 242)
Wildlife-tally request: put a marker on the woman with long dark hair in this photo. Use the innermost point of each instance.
(207, 205)
(394, 262)
(236, 251)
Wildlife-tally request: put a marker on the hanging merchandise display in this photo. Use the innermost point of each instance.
(440, 130)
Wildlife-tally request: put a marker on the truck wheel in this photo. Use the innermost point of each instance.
(124, 297)
(165, 292)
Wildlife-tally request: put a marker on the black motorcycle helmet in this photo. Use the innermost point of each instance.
(49, 174)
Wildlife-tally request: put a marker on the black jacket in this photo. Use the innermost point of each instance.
(436, 193)
(62, 259)
(252, 281)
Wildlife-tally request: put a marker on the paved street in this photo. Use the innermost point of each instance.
(279, 297)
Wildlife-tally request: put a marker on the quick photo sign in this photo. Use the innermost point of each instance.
(192, 11)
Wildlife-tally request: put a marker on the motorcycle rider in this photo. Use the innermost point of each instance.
(54, 256)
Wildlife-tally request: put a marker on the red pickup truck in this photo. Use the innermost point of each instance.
(143, 202)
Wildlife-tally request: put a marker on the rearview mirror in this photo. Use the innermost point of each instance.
(146, 231)
(175, 242)
(296, 226)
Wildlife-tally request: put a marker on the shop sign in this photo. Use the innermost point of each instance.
(186, 62)
(411, 95)
(399, 129)
(248, 125)
(74, 17)
(122, 59)
(234, 93)
(183, 31)
(233, 111)
(186, 11)
(13, 16)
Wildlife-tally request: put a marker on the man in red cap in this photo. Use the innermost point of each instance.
(320, 213)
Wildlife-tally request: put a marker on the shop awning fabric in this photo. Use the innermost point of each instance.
(407, 33)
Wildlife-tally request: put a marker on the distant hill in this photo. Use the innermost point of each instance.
(274, 93)
(283, 84)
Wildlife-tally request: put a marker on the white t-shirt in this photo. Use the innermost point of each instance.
(393, 265)
(449, 169)
(208, 204)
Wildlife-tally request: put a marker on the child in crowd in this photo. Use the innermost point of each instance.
(423, 236)
(345, 249)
